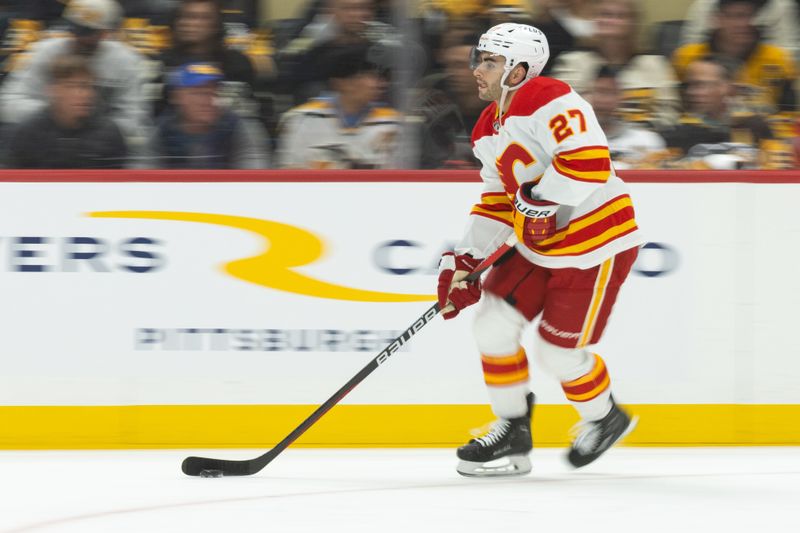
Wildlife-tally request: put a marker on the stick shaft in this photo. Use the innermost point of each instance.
(194, 465)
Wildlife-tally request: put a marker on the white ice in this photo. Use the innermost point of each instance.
(366, 490)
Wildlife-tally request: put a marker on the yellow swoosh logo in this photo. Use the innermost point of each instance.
(287, 247)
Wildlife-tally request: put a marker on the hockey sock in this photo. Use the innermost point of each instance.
(590, 393)
(506, 378)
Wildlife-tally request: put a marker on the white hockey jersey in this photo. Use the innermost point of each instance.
(550, 136)
(314, 135)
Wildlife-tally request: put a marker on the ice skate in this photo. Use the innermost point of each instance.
(594, 438)
(503, 451)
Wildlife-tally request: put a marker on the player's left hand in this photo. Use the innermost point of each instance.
(534, 220)
(453, 289)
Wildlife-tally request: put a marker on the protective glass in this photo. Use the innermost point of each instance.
(474, 58)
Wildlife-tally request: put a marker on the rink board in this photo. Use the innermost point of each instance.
(205, 309)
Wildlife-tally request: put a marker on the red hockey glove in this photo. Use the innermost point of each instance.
(452, 287)
(534, 220)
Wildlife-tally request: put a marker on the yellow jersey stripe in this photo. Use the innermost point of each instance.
(595, 153)
(578, 225)
(506, 216)
(601, 239)
(596, 175)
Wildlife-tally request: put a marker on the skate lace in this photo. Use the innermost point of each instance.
(587, 436)
(496, 431)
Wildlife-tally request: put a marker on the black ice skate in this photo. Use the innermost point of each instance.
(594, 438)
(503, 451)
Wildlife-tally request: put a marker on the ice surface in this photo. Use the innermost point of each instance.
(639, 490)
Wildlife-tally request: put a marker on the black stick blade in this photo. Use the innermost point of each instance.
(194, 466)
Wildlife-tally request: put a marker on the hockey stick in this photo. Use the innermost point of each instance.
(207, 467)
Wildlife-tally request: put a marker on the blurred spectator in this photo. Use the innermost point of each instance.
(117, 82)
(346, 128)
(649, 83)
(765, 72)
(796, 144)
(302, 64)
(709, 129)
(198, 36)
(16, 36)
(630, 145)
(446, 105)
(776, 19)
(559, 39)
(68, 132)
(199, 133)
(575, 16)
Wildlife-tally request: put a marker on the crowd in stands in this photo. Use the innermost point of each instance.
(352, 84)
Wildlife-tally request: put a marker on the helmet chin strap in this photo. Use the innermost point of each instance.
(506, 90)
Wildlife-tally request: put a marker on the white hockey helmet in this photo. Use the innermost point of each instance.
(518, 43)
(93, 14)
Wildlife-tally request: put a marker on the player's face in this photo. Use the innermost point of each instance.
(488, 73)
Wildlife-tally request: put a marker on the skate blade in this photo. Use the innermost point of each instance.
(513, 465)
(629, 429)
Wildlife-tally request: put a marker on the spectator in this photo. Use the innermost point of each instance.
(777, 19)
(765, 72)
(558, 37)
(346, 128)
(197, 132)
(648, 80)
(118, 83)
(576, 16)
(630, 145)
(709, 120)
(302, 64)
(198, 36)
(68, 132)
(446, 104)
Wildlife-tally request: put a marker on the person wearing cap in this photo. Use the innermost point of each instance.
(346, 127)
(68, 132)
(198, 36)
(117, 69)
(197, 132)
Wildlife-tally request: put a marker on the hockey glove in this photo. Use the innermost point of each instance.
(534, 220)
(453, 288)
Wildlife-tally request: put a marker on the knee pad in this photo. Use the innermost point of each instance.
(565, 364)
(497, 327)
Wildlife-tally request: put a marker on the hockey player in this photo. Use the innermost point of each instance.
(548, 178)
